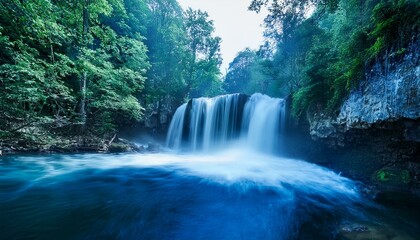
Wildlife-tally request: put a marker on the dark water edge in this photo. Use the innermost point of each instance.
(74, 197)
(120, 145)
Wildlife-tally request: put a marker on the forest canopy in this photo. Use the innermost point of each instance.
(93, 66)
(317, 51)
(97, 66)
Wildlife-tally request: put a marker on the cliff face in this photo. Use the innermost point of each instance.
(376, 134)
(391, 92)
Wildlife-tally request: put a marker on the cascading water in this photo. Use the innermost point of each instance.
(175, 129)
(208, 123)
(263, 122)
(233, 193)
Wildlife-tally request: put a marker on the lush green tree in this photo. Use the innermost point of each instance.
(203, 74)
(324, 47)
(60, 56)
(32, 73)
(286, 15)
(167, 44)
(248, 73)
(88, 64)
(239, 73)
(396, 24)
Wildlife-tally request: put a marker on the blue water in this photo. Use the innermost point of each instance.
(230, 195)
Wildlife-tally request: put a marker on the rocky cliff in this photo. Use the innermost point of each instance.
(390, 92)
(377, 131)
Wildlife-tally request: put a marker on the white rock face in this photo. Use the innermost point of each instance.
(390, 92)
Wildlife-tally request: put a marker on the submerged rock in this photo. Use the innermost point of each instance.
(358, 231)
(119, 147)
(152, 147)
(353, 227)
(124, 145)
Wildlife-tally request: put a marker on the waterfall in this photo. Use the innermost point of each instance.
(175, 129)
(264, 121)
(210, 123)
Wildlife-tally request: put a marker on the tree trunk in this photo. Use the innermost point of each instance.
(83, 79)
(83, 102)
(52, 53)
(86, 19)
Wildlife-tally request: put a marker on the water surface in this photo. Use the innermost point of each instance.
(235, 194)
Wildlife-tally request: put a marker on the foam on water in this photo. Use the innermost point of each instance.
(232, 194)
(227, 167)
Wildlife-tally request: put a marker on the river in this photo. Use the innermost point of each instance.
(230, 195)
(222, 177)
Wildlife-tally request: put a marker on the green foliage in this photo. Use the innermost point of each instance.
(393, 176)
(405, 176)
(185, 55)
(383, 176)
(320, 58)
(89, 64)
(203, 59)
(167, 45)
(395, 23)
(248, 73)
(239, 75)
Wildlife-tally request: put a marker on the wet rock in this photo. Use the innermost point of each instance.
(119, 147)
(353, 227)
(389, 94)
(152, 147)
(390, 91)
(124, 145)
(327, 130)
(7, 150)
(363, 231)
(61, 149)
(376, 134)
(323, 128)
(158, 114)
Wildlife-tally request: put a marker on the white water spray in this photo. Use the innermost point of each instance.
(209, 123)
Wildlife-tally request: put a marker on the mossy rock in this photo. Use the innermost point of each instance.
(119, 147)
(392, 176)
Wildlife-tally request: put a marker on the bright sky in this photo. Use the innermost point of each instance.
(238, 27)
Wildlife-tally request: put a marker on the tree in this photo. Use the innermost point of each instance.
(32, 73)
(204, 55)
(324, 47)
(239, 73)
(167, 44)
(62, 54)
(284, 16)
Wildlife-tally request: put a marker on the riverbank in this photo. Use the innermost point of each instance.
(75, 144)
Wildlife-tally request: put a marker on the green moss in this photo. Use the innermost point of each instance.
(405, 176)
(383, 175)
(401, 51)
(4, 134)
(119, 147)
(393, 176)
